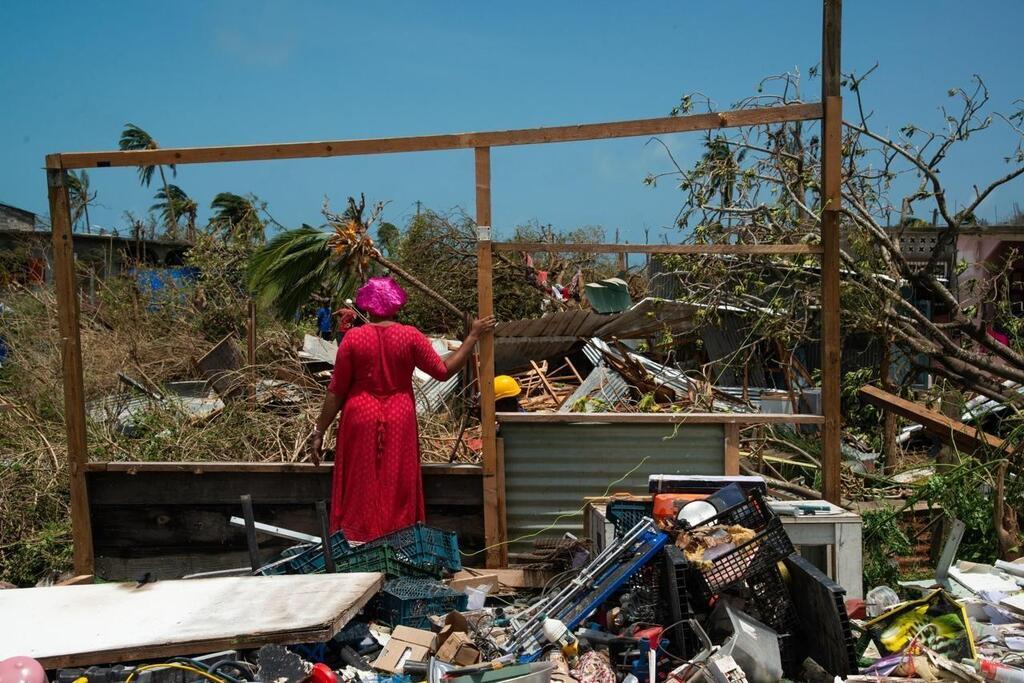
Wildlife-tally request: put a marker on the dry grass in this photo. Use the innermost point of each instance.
(152, 345)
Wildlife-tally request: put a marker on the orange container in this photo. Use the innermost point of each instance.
(667, 505)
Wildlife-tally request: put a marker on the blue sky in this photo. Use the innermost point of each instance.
(210, 73)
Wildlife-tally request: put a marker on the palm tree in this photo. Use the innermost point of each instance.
(237, 216)
(173, 203)
(134, 138)
(296, 264)
(80, 196)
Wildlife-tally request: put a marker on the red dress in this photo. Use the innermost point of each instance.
(377, 484)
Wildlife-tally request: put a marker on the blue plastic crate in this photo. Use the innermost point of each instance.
(411, 602)
(424, 546)
(312, 561)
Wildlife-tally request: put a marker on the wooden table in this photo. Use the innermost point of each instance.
(64, 626)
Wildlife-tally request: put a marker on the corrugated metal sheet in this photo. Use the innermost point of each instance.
(550, 468)
(430, 393)
(722, 342)
(517, 342)
(651, 316)
(602, 383)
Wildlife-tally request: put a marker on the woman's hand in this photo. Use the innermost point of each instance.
(316, 446)
(480, 326)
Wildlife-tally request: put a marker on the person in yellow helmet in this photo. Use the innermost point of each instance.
(506, 389)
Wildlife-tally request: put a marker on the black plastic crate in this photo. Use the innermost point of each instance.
(411, 602)
(769, 546)
(626, 514)
(675, 598)
(753, 513)
(825, 629)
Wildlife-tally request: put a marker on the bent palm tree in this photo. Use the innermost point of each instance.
(80, 196)
(237, 216)
(296, 264)
(172, 204)
(134, 138)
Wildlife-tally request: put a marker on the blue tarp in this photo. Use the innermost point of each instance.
(159, 283)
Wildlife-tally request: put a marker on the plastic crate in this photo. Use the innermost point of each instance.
(753, 558)
(312, 561)
(411, 602)
(626, 514)
(424, 546)
(383, 559)
(758, 556)
(675, 598)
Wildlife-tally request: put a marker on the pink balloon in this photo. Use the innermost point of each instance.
(21, 670)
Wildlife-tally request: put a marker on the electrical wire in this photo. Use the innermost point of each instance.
(560, 517)
(175, 665)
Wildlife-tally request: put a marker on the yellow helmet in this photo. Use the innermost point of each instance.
(505, 387)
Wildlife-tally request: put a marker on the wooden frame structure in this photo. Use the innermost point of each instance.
(829, 111)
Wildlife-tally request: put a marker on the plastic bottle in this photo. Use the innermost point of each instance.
(878, 601)
(996, 671)
(557, 633)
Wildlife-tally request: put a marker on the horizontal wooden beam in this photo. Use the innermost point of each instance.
(271, 467)
(586, 248)
(430, 143)
(946, 428)
(663, 418)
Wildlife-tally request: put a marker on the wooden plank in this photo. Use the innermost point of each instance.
(428, 143)
(516, 579)
(135, 467)
(267, 488)
(732, 449)
(831, 188)
(485, 307)
(100, 623)
(663, 418)
(66, 287)
(588, 248)
(547, 385)
(946, 428)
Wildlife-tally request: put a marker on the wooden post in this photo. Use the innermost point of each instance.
(250, 532)
(485, 307)
(71, 361)
(732, 449)
(831, 185)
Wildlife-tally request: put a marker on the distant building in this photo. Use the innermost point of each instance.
(13, 218)
(26, 253)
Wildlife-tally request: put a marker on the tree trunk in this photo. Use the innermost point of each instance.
(415, 282)
(1004, 519)
(167, 196)
(888, 417)
(88, 225)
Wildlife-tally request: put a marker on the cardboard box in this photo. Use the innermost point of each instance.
(405, 644)
(458, 649)
(459, 583)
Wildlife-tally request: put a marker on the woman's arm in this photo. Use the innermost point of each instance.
(332, 404)
(457, 359)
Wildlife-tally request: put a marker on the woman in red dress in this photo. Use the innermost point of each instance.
(377, 487)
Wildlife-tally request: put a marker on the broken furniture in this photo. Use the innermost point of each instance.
(839, 533)
(117, 622)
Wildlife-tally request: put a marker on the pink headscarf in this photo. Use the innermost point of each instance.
(381, 297)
